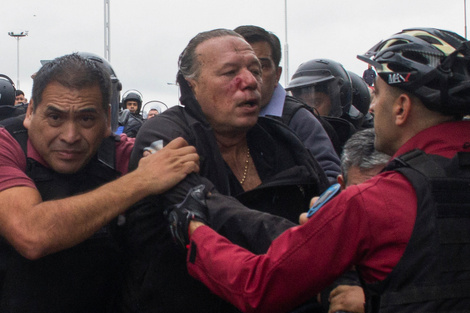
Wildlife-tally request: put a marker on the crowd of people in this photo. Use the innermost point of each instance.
(108, 204)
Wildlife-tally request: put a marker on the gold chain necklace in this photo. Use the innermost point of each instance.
(246, 165)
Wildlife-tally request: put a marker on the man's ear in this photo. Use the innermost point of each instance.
(278, 74)
(401, 109)
(108, 121)
(341, 181)
(29, 115)
(193, 85)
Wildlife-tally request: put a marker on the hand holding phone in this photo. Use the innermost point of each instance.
(328, 194)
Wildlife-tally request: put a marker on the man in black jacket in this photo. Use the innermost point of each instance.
(257, 160)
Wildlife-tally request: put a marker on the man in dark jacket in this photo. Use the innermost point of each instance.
(258, 161)
(369, 75)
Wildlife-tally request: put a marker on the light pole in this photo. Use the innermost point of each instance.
(107, 31)
(465, 16)
(18, 36)
(286, 48)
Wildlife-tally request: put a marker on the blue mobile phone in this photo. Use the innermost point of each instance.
(332, 191)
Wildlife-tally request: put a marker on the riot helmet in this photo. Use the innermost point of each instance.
(116, 86)
(361, 99)
(360, 93)
(7, 91)
(132, 95)
(323, 84)
(430, 63)
(159, 106)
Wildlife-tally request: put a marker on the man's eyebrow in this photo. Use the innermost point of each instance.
(55, 109)
(88, 110)
(229, 64)
(265, 59)
(51, 108)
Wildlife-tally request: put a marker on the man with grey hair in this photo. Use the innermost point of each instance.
(258, 161)
(360, 160)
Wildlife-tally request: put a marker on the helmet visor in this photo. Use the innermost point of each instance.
(325, 98)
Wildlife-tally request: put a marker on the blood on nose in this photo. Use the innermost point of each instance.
(242, 81)
(236, 82)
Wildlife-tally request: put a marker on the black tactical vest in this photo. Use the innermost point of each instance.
(84, 278)
(433, 274)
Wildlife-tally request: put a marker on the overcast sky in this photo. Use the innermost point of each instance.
(148, 35)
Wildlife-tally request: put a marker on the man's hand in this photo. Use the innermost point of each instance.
(347, 298)
(303, 217)
(163, 169)
(193, 208)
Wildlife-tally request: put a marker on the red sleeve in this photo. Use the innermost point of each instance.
(123, 153)
(371, 234)
(12, 163)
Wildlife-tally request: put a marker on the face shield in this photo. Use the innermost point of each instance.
(325, 97)
(150, 107)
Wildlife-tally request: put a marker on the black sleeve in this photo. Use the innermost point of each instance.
(251, 229)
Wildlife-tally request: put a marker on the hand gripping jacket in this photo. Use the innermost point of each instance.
(82, 278)
(433, 274)
(193, 208)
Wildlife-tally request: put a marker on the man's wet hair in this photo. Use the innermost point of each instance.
(188, 64)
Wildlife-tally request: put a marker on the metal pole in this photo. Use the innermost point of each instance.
(17, 62)
(107, 32)
(286, 48)
(465, 16)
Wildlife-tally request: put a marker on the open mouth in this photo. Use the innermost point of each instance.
(250, 103)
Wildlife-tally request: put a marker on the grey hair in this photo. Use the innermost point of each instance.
(188, 64)
(359, 151)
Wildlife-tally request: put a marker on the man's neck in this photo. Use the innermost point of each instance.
(231, 143)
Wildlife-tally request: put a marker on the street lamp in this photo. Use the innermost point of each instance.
(18, 36)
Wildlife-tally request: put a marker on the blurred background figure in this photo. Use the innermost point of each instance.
(152, 113)
(153, 108)
(8, 98)
(130, 118)
(369, 76)
(20, 98)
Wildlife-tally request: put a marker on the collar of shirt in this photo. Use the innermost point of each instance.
(444, 139)
(34, 154)
(276, 104)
